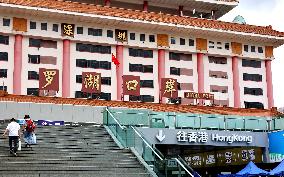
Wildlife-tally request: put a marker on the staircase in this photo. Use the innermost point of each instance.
(68, 151)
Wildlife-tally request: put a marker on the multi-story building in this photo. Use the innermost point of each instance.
(164, 39)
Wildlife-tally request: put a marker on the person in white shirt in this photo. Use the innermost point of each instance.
(14, 133)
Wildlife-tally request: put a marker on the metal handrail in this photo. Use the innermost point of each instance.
(122, 127)
(181, 164)
(147, 143)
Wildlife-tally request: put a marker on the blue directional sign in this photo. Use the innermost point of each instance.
(50, 123)
(276, 146)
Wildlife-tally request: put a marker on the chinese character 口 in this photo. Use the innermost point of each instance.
(49, 75)
(92, 81)
(131, 85)
(181, 136)
(170, 87)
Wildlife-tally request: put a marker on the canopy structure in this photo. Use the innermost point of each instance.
(250, 170)
(279, 170)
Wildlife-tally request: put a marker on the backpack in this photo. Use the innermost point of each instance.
(30, 126)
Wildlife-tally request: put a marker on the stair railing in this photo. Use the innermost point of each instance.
(129, 136)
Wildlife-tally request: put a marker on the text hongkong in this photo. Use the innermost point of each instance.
(231, 138)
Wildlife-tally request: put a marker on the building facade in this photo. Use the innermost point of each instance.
(162, 40)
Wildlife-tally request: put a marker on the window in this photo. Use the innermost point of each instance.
(93, 48)
(3, 56)
(152, 38)
(44, 26)
(132, 36)
(80, 30)
(147, 98)
(81, 63)
(34, 59)
(5, 88)
(78, 78)
(105, 96)
(227, 46)
(148, 69)
(146, 83)
(182, 41)
(252, 77)
(253, 91)
(105, 65)
(173, 40)
(219, 45)
(33, 75)
(6, 22)
(142, 37)
(246, 48)
(32, 25)
(252, 48)
(211, 45)
(251, 63)
(217, 60)
(3, 73)
(180, 56)
(4, 40)
(260, 50)
(140, 53)
(106, 81)
(55, 27)
(32, 91)
(95, 32)
(256, 105)
(175, 71)
(191, 42)
(110, 33)
(34, 43)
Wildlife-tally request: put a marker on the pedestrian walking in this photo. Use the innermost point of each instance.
(14, 134)
(29, 128)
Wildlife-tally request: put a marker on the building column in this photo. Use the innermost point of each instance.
(236, 82)
(269, 83)
(18, 45)
(107, 2)
(200, 71)
(119, 71)
(145, 6)
(161, 71)
(66, 69)
(180, 10)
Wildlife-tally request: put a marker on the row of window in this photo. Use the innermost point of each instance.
(42, 43)
(142, 98)
(180, 56)
(102, 95)
(253, 49)
(83, 63)
(43, 26)
(93, 48)
(219, 45)
(217, 60)
(251, 63)
(4, 40)
(140, 68)
(140, 53)
(3, 88)
(253, 91)
(182, 41)
(252, 77)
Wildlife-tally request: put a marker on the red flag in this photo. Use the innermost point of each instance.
(114, 60)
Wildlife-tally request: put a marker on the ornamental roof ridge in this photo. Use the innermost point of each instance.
(146, 16)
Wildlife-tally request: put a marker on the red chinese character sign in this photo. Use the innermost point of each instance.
(48, 79)
(169, 88)
(91, 82)
(131, 85)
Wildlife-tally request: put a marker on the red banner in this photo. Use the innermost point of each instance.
(48, 79)
(169, 88)
(91, 82)
(131, 85)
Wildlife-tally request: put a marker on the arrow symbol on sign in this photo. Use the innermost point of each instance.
(160, 136)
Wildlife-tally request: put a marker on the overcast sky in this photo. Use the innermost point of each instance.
(264, 13)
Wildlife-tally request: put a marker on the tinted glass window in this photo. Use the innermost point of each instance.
(252, 77)
(4, 40)
(217, 60)
(142, 37)
(3, 56)
(146, 83)
(5, 88)
(148, 68)
(6, 22)
(106, 80)
(140, 53)
(257, 105)
(260, 50)
(33, 75)
(32, 91)
(147, 98)
(34, 42)
(110, 33)
(246, 48)
(253, 91)
(175, 71)
(251, 63)
(173, 40)
(34, 59)
(132, 36)
(182, 41)
(227, 46)
(252, 48)
(93, 48)
(151, 38)
(44, 26)
(78, 78)
(80, 30)
(191, 42)
(95, 32)
(32, 25)
(3, 73)
(55, 27)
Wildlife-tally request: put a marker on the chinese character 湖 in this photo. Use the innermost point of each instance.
(170, 87)
(92, 81)
(49, 75)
